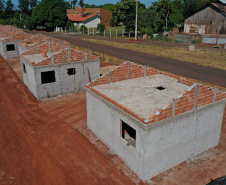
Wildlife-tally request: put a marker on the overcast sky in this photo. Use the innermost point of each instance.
(98, 2)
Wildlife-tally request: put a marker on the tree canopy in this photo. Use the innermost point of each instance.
(49, 13)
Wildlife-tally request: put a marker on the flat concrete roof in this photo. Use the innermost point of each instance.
(141, 95)
(37, 58)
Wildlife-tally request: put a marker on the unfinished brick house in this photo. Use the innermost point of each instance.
(33, 41)
(53, 68)
(9, 43)
(89, 17)
(151, 119)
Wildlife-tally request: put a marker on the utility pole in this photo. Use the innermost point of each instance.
(136, 20)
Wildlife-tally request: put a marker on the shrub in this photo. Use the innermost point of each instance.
(69, 25)
(83, 27)
(101, 27)
(196, 41)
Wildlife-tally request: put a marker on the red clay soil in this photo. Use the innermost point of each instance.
(47, 142)
(38, 147)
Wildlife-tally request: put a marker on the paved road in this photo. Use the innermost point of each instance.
(202, 73)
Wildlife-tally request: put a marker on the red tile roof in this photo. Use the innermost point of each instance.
(79, 17)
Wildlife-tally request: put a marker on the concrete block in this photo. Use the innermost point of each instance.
(191, 48)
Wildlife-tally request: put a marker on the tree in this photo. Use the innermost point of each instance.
(2, 4)
(9, 8)
(33, 3)
(50, 13)
(83, 27)
(192, 6)
(24, 6)
(73, 3)
(126, 11)
(101, 27)
(81, 3)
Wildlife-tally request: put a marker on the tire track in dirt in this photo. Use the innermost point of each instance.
(38, 147)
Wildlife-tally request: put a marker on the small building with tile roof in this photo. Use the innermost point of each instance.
(53, 68)
(87, 19)
(208, 20)
(151, 119)
(9, 42)
(90, 17)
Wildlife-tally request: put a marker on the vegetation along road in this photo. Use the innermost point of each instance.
(195, 71)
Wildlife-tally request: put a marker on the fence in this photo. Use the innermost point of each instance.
(95, 32)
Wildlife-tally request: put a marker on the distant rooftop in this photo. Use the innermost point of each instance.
(80, 17)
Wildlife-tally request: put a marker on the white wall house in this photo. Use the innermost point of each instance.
(90, 20)
(153, 121)
(51, 75)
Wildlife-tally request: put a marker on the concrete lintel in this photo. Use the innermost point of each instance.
(60, 44)
(22, 35)
(39, 39)
(86, 56)
(128, 69)
(215, 94)
(69, 55)
(196, 96)
(110, 75)
(49, 47)
(173, 109)
(58, 65)
(52, 59)
(145, 71)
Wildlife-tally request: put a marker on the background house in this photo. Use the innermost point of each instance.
(90, 16)
(209, 20)
(87, 19)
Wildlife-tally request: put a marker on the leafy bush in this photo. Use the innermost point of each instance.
(69, 25)
(101, 27)
(196, 41)
(83, 27)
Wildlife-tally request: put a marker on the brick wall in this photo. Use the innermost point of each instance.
(62, 56)
(33, 40)
(44, 48)
(18, 36)
(201, 94)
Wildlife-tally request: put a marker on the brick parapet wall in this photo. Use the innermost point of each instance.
(18, 36)
(62, 56)
(201, 94)
(33, 41)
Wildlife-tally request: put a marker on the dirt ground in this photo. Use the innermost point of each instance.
(47, 142)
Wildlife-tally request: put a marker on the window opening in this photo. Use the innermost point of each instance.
(128, 133)
(160, 88)
(10, 47)
(24, 67)
(48, 77)
(71, 71)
